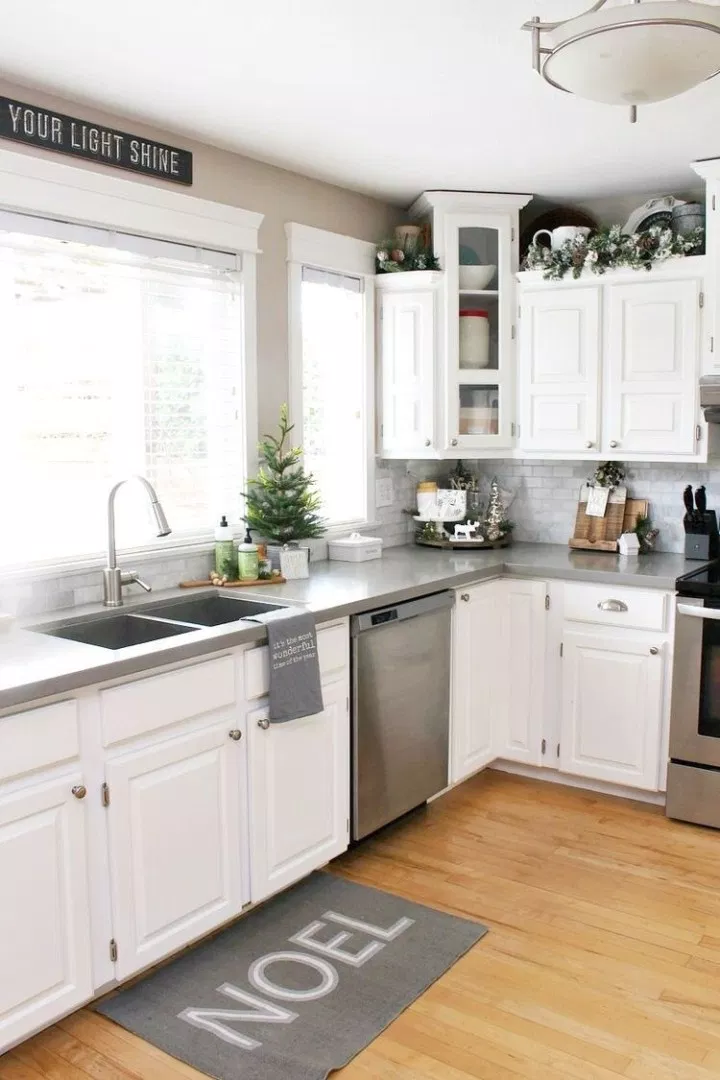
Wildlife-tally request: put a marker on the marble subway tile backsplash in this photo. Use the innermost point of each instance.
(546, 495)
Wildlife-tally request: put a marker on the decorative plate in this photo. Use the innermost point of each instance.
(657, 211)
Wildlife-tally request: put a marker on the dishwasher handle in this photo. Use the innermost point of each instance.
(410, 609)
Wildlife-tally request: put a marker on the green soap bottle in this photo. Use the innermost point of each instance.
(225, 550)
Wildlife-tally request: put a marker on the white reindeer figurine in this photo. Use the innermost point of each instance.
(465, 532)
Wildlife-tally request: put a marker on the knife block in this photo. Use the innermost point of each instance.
(701, 538)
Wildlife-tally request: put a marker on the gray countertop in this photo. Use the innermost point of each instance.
(34, 665)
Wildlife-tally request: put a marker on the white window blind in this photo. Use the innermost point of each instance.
(118, 356)
(334, 385)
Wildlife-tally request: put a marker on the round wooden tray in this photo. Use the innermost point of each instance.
(476, 545)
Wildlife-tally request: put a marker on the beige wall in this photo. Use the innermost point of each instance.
(280, 195)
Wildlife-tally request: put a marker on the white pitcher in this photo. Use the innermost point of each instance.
(560, 235)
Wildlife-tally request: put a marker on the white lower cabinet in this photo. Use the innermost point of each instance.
(498, 674)
(476, 659)
(522, 670)
(45, 942)
(613, 685)
(177, 831)
(299, 792)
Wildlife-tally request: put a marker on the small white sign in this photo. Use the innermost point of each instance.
(597, 501)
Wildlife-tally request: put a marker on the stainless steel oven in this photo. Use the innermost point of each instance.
(693, 788)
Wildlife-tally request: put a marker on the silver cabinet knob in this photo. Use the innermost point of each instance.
(589, 445)
(654, 650)
(453, 442)
(79, 791)
(264, 723)
(613, 443)
(235, 734)
(428, 442)
(465, 596)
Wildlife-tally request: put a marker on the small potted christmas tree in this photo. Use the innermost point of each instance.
(281, 503)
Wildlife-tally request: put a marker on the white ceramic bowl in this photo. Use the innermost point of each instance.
(476, 277)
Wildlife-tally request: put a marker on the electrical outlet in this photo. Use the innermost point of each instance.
(384, 492)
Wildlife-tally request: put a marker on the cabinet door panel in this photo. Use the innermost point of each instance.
(519, 733)
(653, 366)
(480, 402)
(559, 369)
(176, 825)
(612, 708)
(299, 792)
(478, 677)
(45, 959)
(407, 343)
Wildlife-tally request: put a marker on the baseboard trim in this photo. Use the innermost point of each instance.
(553, 776)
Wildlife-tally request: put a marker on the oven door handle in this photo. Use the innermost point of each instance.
(699, 612)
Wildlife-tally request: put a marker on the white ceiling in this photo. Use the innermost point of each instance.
(385, 96)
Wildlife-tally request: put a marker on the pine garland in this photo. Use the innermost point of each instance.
(610, 248)
(282, 503)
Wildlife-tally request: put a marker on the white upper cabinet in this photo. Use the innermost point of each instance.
(443, 397)
(653, 353)
(609, 366)
(45, 948)
(408, 307)
(559, 370)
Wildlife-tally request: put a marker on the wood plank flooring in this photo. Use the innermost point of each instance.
(603, 959)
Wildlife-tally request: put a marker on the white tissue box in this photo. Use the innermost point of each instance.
(355, 548)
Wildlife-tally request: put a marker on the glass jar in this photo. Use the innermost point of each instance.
(474, 339)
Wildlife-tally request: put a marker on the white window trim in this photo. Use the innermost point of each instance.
(46, 188)
(307, 246)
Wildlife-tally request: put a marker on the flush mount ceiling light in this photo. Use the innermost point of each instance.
(633, 54)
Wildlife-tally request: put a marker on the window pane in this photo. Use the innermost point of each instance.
(334, 417)
(113, 365)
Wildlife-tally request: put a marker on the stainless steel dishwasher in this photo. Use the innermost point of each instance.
(401, 709)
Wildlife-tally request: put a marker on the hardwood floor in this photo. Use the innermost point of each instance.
(603, 958)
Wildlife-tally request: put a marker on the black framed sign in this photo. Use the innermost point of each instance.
(35, 126)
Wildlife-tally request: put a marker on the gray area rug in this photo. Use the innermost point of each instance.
(299, 986)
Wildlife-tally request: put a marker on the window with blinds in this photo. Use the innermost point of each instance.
(119, 355)
(334, 382)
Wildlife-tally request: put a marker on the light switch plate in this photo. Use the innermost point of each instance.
(384, 492)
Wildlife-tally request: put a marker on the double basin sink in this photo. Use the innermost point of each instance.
(161, 619)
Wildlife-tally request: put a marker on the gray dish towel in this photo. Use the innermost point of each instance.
(295, 687)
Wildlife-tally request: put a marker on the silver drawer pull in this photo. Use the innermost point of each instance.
(264, 723)
(235, 734)
(612, 605)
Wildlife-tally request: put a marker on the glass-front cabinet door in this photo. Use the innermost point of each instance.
(479, 339)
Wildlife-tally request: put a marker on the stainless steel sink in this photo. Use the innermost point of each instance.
(115, 631)
(210, 609)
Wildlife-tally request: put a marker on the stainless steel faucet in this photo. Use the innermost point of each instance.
(113, 577)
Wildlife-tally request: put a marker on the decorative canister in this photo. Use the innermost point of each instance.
(686, 217)
(426, 498)
(474, 339)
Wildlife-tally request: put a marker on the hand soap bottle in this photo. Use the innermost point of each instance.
(225, 550)
(248, 563)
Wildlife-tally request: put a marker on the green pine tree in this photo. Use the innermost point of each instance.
(282, 503)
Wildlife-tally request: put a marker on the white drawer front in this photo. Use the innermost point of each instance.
(333, 655)
(608, 605)
(162, 700)
(38, 738)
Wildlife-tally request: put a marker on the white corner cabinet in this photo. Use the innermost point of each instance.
(567, 676)
(433, 405)
(609, 365)
(138, 816)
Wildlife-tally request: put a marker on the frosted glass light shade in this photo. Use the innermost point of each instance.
(636, 54)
